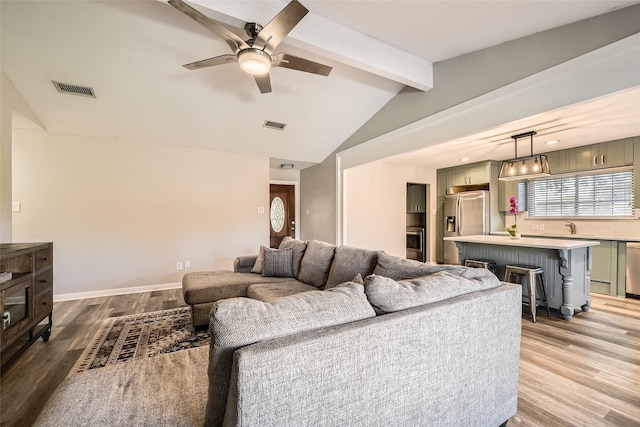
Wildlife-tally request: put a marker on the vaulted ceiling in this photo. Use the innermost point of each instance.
(131, 53)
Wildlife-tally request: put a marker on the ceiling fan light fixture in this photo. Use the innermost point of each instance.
(254, 61)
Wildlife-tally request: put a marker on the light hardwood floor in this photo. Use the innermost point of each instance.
(585, 372)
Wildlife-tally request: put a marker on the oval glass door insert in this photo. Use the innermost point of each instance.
(277, 214)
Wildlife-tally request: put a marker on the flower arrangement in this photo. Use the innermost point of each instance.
(513, 201)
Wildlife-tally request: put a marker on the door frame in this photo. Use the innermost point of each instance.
(296, 193)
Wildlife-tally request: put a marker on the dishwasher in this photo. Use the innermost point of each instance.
(633, 270)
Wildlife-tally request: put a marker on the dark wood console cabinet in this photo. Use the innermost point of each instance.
(26, 298)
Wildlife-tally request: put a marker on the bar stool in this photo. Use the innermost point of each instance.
(482, 263)
(534, 278)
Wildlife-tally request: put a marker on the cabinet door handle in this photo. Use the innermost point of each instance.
(602, 159)
(44, 258)
(43, 280)
(595, 160)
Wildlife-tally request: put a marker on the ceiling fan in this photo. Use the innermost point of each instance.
(255, 55)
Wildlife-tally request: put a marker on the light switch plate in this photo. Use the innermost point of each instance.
(15, 206)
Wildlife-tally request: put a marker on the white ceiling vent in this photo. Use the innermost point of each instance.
(274, 125)
(74, 89)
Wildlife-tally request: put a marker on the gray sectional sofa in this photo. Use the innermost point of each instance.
(319, 335)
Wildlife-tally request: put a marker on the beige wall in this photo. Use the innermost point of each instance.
(121, 213)
(375, 205)
(290, 175)
(11, 103)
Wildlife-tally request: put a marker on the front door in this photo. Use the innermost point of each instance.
(281, 213)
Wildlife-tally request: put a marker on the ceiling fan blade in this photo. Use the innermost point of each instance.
(264, 83)
(275, 31)
(216, 60)
(293, 62)
(233, 40)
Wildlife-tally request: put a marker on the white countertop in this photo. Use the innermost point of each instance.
(528, 242)
(575, 236)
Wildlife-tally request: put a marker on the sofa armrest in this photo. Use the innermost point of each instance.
(244, 264)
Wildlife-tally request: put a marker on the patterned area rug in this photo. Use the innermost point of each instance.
(126, 338)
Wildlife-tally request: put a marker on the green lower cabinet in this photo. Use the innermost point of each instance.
(604, 270)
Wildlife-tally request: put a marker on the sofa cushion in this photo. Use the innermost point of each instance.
(316, 263)
(208, 286)
(257, 267)
(277, 262)
(299, 248)
(388, 295)
(349, 261)
(397, 268)
(268, 291)
(237, 322)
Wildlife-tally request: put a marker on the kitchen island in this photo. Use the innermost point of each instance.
(566, 264)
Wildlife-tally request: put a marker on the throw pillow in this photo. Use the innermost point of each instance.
(299, 247)
(388, 295)
(349, 261)
(257, 267)
(278, 262)
(316, 263)
(237, 322)
(358, 279)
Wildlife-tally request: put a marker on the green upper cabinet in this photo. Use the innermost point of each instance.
(442, 182)
(604, 155)
(558, 161)
(416, 198)
(470, 175)
(460, 176)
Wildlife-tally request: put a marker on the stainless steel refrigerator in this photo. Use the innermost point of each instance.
(465, 214)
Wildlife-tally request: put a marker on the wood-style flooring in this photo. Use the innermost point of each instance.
(585, 372)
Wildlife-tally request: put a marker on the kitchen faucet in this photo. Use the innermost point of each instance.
(572, 226)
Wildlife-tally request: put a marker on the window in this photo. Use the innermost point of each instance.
(606, 193)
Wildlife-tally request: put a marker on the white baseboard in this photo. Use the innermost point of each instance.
(111, 292)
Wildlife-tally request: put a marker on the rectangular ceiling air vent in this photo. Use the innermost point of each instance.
(274, 125)
(74, 89)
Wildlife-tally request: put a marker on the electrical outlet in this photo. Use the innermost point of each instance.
(261, 210)
(541, 227)
(179, 265)
(15, 206)
(187, 264)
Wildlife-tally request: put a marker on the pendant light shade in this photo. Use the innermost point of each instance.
(524, 167)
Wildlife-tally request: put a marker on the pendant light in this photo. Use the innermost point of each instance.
(524, 167)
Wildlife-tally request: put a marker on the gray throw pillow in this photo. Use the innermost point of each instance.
(349, 261)
(299, 247)
(237, 322)
(388, 295)
(257, 267)
(397, 268)
(278, 262)
(316, 263)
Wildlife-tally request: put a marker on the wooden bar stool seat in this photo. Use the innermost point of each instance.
(534, 279)
(482, 263)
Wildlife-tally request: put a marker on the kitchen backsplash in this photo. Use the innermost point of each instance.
(620, 228)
